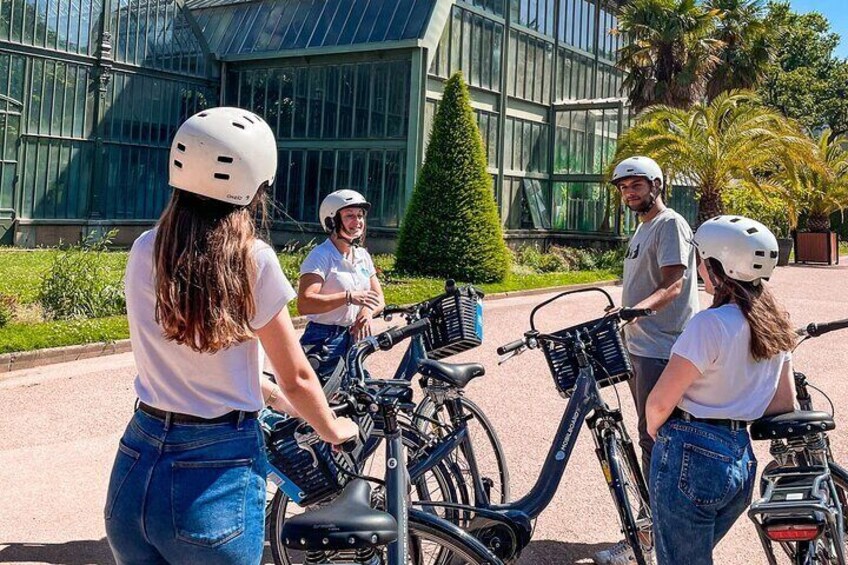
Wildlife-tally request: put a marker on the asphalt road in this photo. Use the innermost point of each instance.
(59, 428)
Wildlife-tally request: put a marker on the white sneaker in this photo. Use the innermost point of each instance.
(619, 554)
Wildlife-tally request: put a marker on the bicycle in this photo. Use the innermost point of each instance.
(438, 440)
(804, 492)
(349, 527)
(573, 355)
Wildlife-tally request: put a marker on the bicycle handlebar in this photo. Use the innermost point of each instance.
(628, 314)
(816, 330)
(389, 338)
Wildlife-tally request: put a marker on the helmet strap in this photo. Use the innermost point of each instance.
(645, 208)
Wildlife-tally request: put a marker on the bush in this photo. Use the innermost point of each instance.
(7, 309)
(771, 212)
(81, 283)
(451, 227)
(292, 255)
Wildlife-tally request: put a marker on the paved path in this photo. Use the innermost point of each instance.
(59, 427)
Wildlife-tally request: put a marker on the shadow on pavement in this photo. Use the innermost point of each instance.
(83, 552)
(547, 552)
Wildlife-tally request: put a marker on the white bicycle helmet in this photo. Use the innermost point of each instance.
(638, 167)
(223, 153)
(746, 249)
(336, 201)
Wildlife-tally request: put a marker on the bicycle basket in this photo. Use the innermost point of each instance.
(611, 362)
(307, 477)
(456, 323)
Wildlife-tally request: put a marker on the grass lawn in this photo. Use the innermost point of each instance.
(23, 270)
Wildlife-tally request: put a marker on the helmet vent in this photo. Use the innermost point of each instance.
(238, 125)
(734, 220)
(760, 253)
(178, 164)
(222, 176)
(757, 266)
(751, 231)
(181, 147)
(224, 159)
(248, 119)
(773, 254)
(203, 114)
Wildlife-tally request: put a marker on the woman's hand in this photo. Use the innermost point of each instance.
(365, 298)
(341, 430)
(361, 327)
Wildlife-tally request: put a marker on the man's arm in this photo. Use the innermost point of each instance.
(670, 288)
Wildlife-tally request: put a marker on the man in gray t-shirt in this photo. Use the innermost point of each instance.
(659, 273)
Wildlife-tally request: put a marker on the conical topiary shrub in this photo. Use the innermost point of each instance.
(451, 227)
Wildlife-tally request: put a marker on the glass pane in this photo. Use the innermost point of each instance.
(363, 97)
(316, 101)
(331, 102)
(301, 99)
(497, 39)
(311, 185)
(393, 189)
(475, 70)
(378, 101)
(374, 186)
(456, 40)
(348, 77)
(398, 100)
(486, 50)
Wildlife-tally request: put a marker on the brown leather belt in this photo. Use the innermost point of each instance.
(178, 418)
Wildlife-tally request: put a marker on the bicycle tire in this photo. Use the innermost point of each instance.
(628, 487)
(444, 476)
(488, 451)
(463, 547)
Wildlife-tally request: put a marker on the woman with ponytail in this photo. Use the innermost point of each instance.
(731, 365)
(203, 291)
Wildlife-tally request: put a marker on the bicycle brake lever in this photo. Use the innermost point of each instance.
(504, 358)
(306, 441)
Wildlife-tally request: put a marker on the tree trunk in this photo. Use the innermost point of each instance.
(709, 206)
(818, 223)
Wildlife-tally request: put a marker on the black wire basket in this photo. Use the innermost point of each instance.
(456, 323)
(610, 360)
(307, 476)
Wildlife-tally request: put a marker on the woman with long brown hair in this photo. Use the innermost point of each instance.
(731, 365)
(203, 292)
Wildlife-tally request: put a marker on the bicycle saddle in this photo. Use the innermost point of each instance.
(348, 522)
(791, 424)
(457, 375)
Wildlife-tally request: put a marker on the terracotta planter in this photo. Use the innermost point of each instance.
(784, 250)
(815, 247)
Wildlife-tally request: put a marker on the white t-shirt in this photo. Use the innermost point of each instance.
(732, 384)
(339, 275)
(175, 378)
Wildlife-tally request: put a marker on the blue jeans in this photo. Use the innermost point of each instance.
(337, 340)
(701, 481)
(187, 493)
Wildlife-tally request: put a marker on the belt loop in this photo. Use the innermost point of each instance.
(240, 420)
(168, 417)
(135, 405)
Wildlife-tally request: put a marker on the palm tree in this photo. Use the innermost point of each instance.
(814, 191)
(670, 51)
(734, 138)
(748, 45)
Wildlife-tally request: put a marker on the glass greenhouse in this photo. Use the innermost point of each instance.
(91, 92)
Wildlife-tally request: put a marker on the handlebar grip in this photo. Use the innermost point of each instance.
(389, 338)
(816, 330)
(512, 346)
(349, 446)
(628, 314)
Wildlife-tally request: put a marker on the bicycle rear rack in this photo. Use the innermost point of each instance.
(805, 495)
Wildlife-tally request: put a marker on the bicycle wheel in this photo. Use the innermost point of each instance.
(630, 496)
(432, 543)
(437, 485)
(488, 451)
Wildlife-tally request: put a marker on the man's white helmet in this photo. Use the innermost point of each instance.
(337, 200)
(638, 167)
(746, 249)
(223, 153)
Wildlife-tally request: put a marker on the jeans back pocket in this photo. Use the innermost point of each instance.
(125, 460)
(208, 500)
(706, 476)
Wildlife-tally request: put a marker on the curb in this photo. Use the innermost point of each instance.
(31, 359)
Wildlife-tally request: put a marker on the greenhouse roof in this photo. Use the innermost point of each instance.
(237, 29)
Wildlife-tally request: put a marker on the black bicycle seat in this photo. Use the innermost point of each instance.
(791, 424)
(348, 522)
(458, 375)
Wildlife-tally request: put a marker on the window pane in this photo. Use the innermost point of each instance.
(331, 101)
(363, 96)
(378, 101)
(348, 77)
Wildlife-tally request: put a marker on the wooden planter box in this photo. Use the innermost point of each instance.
(816, 248)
